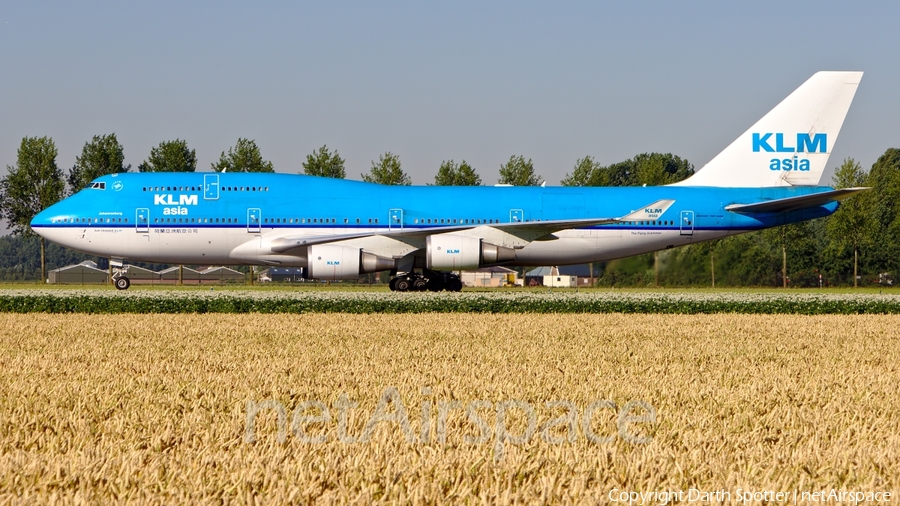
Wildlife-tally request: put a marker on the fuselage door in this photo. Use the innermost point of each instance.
(516, 216)
(254, 217)
(210, 187)
(142, 220)
(395, 219)
(687, 222)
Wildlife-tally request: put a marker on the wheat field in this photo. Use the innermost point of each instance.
(154, 408)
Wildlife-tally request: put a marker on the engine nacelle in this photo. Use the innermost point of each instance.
(450, 252)
(332, 262)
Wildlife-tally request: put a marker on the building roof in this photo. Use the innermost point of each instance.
(172, 273)
(135, 272)
(494, 269)
(86, 266)
(582, 270)
(222, 272)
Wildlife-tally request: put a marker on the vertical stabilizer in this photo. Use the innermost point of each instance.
(791, 144)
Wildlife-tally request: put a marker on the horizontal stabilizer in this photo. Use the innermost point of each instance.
(794, 203)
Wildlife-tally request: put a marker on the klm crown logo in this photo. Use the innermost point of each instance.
(805, 143)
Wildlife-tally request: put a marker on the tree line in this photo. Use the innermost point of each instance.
(858, 245)
(861, 237)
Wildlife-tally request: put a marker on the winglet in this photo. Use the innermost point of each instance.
(649, 212)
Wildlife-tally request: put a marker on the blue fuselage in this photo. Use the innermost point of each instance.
(202, 217)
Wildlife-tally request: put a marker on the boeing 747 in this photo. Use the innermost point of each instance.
(338, 229)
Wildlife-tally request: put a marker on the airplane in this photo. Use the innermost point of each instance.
(339, 229)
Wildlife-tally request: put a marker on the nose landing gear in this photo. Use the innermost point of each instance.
(118, 278)
(122, 283)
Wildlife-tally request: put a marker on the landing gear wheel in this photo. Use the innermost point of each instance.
(122, 283)
(402, 284)
(393, 284)
(420, 284)
(454, 284)
(435, 285)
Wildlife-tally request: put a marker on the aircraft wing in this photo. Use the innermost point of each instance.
(525, 229)
(794, 203)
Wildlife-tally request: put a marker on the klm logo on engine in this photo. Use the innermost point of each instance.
(776, 143)
(452, 251)
(332, 262)
(178, 206)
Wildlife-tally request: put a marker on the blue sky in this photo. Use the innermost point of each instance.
(431, 81)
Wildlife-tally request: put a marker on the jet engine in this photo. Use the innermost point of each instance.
(332, 262)
(452, 252)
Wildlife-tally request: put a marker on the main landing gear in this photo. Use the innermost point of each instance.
(432, 281)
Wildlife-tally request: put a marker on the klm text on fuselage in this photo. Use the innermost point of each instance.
(179, 205)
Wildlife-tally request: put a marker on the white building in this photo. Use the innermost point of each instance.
(496, 276)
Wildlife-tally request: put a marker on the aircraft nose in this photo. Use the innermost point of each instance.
(42, 220)
(46, 223)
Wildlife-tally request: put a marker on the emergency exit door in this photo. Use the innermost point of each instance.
(395, 219)
(142, 220)
(687, 222)
(254, 217)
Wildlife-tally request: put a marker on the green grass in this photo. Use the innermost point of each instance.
(327, 300)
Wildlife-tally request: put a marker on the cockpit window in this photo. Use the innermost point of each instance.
(98, 185)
